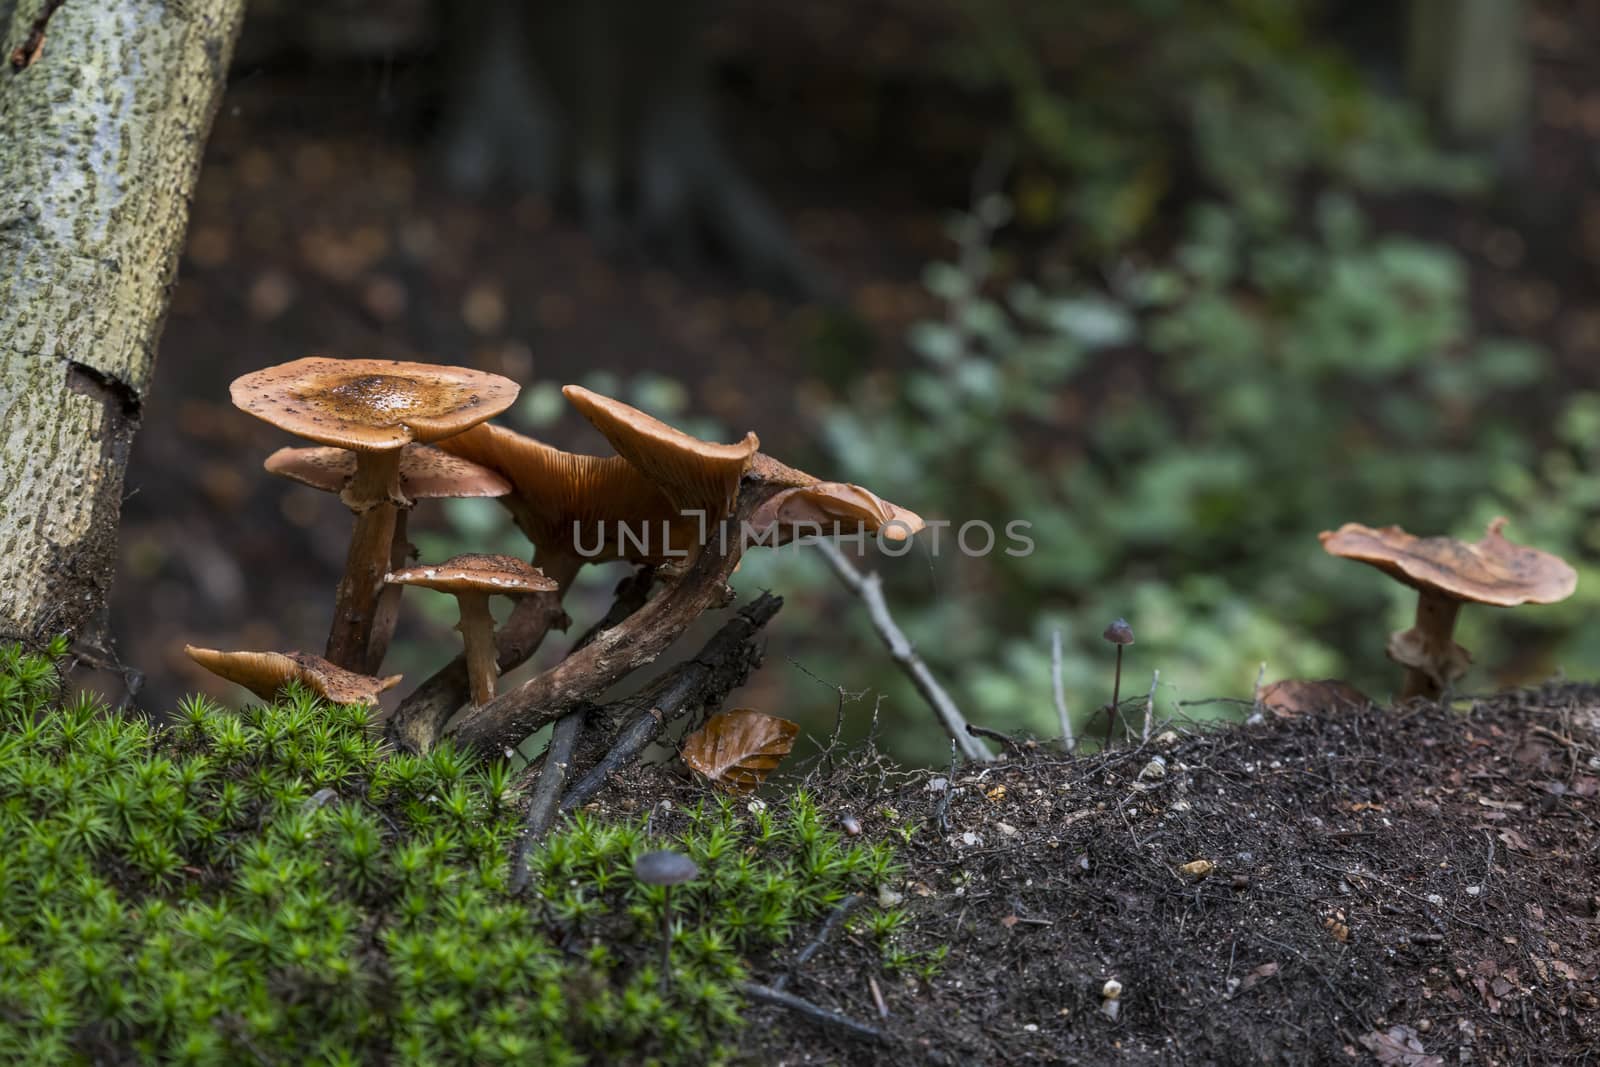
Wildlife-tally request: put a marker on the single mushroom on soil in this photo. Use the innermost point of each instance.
(264, 673)
(373, 408)
(472, 580)
(1446, 574)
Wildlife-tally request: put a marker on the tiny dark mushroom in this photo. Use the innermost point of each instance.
(665, 869)
(1447, 573)
(1119, 633)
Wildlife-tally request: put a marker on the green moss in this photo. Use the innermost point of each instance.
(264, 886)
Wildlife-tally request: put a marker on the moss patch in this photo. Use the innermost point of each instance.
(264, 886)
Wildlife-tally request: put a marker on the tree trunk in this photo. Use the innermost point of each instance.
(104, 110)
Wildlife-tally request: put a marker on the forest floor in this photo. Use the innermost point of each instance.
(1414, 886)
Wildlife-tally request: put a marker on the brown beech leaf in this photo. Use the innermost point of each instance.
(1292, 697)
(736, 750)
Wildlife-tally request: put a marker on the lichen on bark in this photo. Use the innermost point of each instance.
(101, 132)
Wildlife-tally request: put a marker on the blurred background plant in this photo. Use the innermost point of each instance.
(1216, 283)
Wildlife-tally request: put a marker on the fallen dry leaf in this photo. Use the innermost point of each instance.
(1399, 1046)
(1266, 970)
(1293, 697)
(737, 749)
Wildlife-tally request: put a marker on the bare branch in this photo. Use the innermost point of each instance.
(869, 587)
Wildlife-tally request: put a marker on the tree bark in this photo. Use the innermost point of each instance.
(104, 110)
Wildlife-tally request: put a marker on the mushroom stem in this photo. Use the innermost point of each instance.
(1432, 637)
(1116, 697)
(374, 495)
(666, 937)
(386, 615)
(355, 605)
(477, 631)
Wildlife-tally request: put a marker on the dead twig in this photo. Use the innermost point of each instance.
(835, 917)
(631, 593)
(718, 668)
(997, 735)
(869, 588)
(831, 1019)
(546, 792)
(1068, 742)
(1150, 709)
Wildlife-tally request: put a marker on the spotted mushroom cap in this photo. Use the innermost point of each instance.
(695, 475)
(830, 504)
(562, 497)
(264, 673)
(1488, 571)
(505, 575)
(371, 405)
(665, 868)
(425, 472)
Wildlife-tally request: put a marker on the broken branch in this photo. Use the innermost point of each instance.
(869, 588)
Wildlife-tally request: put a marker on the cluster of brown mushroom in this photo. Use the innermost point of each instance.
(389, 433)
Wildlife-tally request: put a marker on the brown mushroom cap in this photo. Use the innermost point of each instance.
(425, 472)
(695, 475)
(264, 673)
(371, 405)
(828, 503)
(505, 575)
(1489, 571)
(554, 491)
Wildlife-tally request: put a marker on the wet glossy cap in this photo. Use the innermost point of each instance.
(695, 475)
(425, 472)
(1491, 570)
(264, 673)
(665, 868)
(505, 575)
(372, 405)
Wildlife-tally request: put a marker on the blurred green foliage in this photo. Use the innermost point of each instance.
(263, 886)
(1215, 372)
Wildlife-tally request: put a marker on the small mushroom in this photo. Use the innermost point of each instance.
(373, 408)
(1446, 574)
(1119, 633)
(426, 473)
(264, 673)
(472, 580)
(666, 869)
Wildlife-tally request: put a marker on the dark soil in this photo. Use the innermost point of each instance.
(1417, 886)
